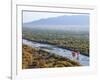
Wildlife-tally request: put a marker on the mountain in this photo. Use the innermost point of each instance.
(62, 20)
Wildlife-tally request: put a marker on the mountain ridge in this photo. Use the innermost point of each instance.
(62, 20)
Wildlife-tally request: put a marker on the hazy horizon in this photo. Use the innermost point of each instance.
(56, 21)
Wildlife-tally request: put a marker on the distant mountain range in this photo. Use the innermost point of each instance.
(62, 20)
(73, 23)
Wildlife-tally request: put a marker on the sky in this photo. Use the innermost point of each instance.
(29, 16)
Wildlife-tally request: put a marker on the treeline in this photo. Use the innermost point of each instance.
(71, 40)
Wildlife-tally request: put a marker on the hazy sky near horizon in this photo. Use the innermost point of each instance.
(29, 16)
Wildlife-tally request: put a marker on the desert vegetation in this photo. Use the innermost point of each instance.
(37, 58)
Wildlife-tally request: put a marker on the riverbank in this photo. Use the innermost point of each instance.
(45, 42)
(37, 58)
(83, 60)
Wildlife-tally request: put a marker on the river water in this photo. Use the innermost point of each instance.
(83, 60)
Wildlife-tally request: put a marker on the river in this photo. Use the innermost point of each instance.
(83, 60)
